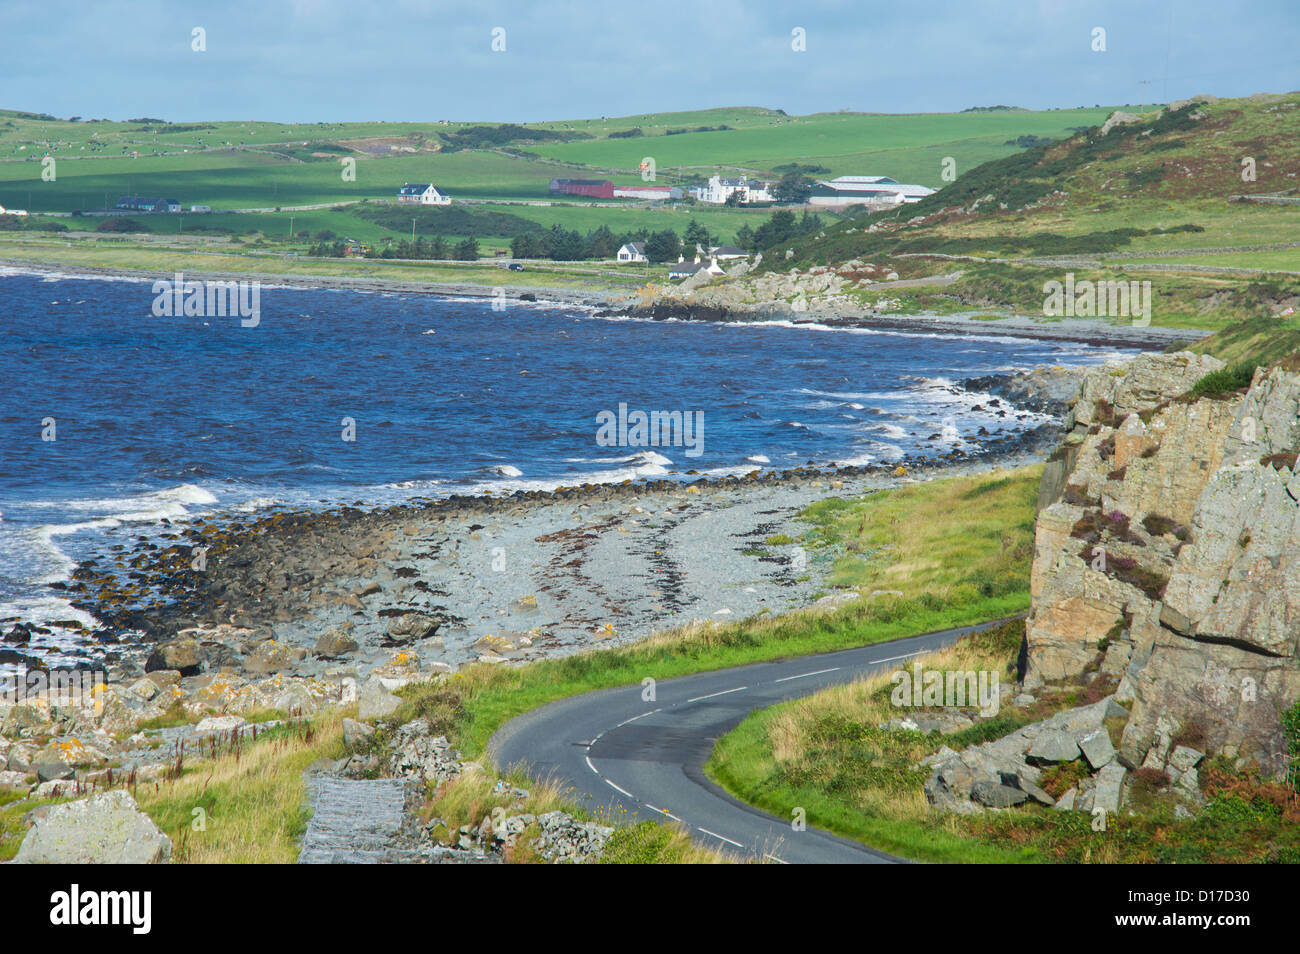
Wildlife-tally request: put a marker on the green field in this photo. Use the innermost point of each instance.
(268, 165)
(909, 148)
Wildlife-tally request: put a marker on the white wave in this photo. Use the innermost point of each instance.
(758, 459)
(892, 431)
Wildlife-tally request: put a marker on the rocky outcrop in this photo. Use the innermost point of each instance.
(1167, 555)
(1008, 771)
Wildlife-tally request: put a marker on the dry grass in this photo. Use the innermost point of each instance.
(252, 800)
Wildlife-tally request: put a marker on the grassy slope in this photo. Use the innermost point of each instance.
(1178, 169)
(908, 147)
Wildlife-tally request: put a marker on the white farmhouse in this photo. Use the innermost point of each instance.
(632, 252)
(721, 188)
(423, 194)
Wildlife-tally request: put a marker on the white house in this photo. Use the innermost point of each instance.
(632, 252)
(880, 191)
(4, 211)
(423, 194)
(721, 188)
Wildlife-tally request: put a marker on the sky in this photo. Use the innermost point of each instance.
(423, 60)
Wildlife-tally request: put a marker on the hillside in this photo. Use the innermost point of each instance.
(1156, 197)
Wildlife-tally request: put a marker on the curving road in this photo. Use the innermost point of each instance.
(647, 758)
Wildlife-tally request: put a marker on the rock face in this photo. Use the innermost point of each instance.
(102, 829)
(1167, 555)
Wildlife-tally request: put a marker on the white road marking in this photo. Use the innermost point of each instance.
(619, 788)
(779, 861)
(635, 717)
(662, 812)
(722, 693)
(805, 675)
(919, 652)
(592, 767)
(720, 837)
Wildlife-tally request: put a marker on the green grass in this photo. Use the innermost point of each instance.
(910, 148)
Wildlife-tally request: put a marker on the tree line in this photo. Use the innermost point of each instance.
(569, 245)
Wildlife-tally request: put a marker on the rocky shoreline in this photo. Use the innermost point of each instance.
(677, 304)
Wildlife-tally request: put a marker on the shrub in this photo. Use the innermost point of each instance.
(1158, 526)
(1224, 382)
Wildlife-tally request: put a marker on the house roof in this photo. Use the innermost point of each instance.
(686, 268)
(638, 247)
(729, 250)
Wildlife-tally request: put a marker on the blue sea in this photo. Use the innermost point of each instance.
(168, 417)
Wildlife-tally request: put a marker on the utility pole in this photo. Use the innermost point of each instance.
(291, 226)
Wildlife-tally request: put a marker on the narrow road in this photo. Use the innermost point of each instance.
(647, 758)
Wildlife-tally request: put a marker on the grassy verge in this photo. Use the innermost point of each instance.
(969, 566)
(835, 755)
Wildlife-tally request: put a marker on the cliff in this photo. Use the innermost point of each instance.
(1167, 557)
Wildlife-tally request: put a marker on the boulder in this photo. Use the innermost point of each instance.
(374, 701)
(219, 725)
(336, 643)
(1053, 747)
(182, 654)
(412, 626)
(1097, 748)
(996, 795)
(270, 656)
(357, 734)
(1109, 791)
(13, 781)
(103, 829)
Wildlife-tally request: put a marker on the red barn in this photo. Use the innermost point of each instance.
(592, 188)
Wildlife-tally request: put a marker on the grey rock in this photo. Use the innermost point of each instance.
(103, 829)
(357, 733)
(1052, 747)
(996, 795)
(1185, 758)
(1066, 802)
(412, 626)
(1097, 748)
(374, 701)
(1110, 781)
(182, 654)
(336, 643)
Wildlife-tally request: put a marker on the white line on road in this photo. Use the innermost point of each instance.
(592, 767)
(919, 652)
(619, 789)
(819, 672)
(635, 717)
(779, 861)
(722, 693)
(720, 837)
(662, 812)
